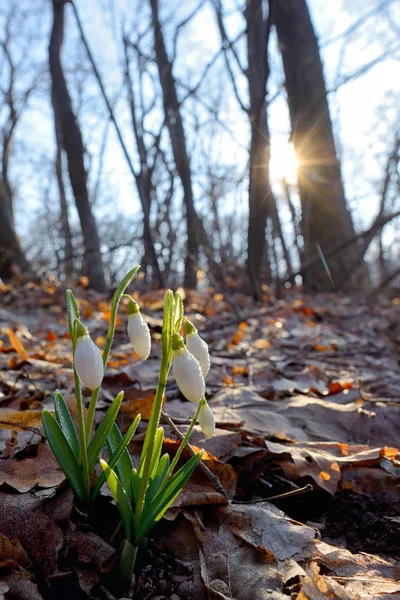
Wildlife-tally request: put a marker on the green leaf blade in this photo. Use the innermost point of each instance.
(119, 457)
(163, 500)
(64, 455)
(64, 419)
(99, 439)
(121, 499)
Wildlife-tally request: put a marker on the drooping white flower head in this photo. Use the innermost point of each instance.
(138, 331)
(187, 371)
(87, 359)
(206, 420)
(197, 347)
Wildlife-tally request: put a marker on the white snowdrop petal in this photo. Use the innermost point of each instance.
(199, 349)
(88, 362)
(207, 421)
(188, 375)
(139, 335)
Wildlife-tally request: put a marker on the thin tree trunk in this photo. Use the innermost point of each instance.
(12, 256)
(260, 194)
(278, 231)
(143, 181)
(68, 249)
(325, 216)
(176, 130)
(73, 145)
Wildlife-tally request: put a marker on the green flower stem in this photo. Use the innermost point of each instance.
(185, 440)
(150, 439)
(118, 294)
(173, 311)
(82, 436)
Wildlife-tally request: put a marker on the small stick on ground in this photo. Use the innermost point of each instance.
(303, 490)
(203, 468)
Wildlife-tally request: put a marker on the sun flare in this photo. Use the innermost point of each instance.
(284, 162)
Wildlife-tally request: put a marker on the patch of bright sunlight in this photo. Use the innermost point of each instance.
(284, 162)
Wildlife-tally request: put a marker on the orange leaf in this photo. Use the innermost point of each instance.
(140, 406)
(107, 316)
(100, 341)
(239, 334)
(20, 419)
(17, 345)
(240, 370)
(261, 343)
(51, 336)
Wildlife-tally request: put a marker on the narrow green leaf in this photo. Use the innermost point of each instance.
(64, 455)
(72, 312)
(124, 464)
(135, 485)
(159, 478)
(156, 452)
(168, 318)
(178, 312)
(121, 499)
(163, 500)
(119, 457)
(99, 439)
(64, 419)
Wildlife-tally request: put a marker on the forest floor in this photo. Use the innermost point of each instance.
(305, 390)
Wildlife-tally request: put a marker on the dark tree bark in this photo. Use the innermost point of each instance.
(143, 178)
(260, 194)
(69, 252)
(257, 74)
(325, 217)
(72, 143)
(176, 131)
(12, 256)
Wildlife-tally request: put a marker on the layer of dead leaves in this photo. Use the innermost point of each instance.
(304, 390)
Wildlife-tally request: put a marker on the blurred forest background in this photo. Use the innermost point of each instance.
(215, 142)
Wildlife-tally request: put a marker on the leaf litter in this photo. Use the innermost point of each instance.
(306, 394)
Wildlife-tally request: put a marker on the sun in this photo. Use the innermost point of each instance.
(284, 162)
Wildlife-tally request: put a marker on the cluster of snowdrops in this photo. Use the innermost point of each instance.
(142, 494)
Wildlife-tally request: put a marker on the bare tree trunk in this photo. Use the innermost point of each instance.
(68, 258)
(325, 217)
(257, 74)
(176, 130)
(278, 232)
(12, 256)
(73, 145)
(143, 179)
(260, 194)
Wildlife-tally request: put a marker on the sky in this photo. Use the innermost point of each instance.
(364, 110)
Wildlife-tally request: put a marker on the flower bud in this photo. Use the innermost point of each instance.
(206, 420)
(138, 331)
(88, 360)
(197, 347)
(187, 371)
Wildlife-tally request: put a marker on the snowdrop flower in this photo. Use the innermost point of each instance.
(87, 358)
(197, 346)
(187, 372)
(138, 331)
(206, 420)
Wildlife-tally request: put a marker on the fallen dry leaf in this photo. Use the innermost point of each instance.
(12, 550)
(20, 420)
(22, 517)
(17, 344)
(267, 528)
(317, 587)
(23, 474)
